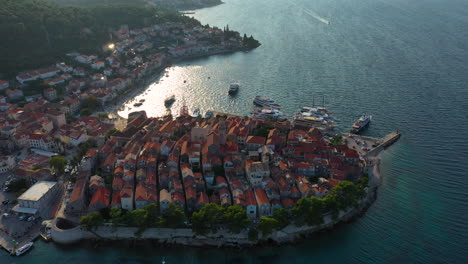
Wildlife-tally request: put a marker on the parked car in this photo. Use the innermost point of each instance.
(31, 218)
(6, 201)
(22, 217)
(6, 215)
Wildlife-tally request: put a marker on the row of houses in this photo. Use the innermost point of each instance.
(209, 164)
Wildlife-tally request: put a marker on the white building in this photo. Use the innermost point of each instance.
(37, 198)
(7, 163)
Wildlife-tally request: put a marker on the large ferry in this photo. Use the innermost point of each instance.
(361, 123)
(20, 251)
(314, 117)
(233, 88)
(266, 102)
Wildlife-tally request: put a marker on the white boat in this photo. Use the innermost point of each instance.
(266, 102)
(361, 123)
(268, 112)
(233, 88)
(196, 113)
(20, 251)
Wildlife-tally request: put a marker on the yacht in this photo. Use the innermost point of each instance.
(268, 112)
(361, 123)
(266, 102)
(20, 251)
(233, 88)
(196, 113)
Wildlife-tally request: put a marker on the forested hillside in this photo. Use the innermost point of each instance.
(36, 32)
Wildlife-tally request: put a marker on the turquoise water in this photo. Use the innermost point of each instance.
(404, 62)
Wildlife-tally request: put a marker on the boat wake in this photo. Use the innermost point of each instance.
(312, 14)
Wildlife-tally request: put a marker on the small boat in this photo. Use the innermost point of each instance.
(185, 81)
(208, 114)
(196, 113)
(20, 251)
(361, 123)
(137, 104)
(46, 235)
(233, 88)
(142, 100)
(163, 260)
(169, 100)
(209, 77)
(266, 102)
(184, 111)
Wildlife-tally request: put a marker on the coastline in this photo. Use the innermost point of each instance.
(155, 75)
(185, 237)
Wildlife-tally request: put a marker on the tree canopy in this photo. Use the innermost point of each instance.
(37, 33)
(58, 163)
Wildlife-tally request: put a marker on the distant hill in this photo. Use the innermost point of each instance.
(36, 32)
(96, 2)
(175, 4)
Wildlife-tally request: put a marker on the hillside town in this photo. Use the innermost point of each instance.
(121, 65)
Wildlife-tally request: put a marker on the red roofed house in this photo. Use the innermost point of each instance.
(100, 200)
(78, 201)
(251, 203)
(263, 202)
(253, 143)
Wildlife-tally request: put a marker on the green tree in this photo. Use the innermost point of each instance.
(58, 163)
(90, 102)
(308, 211)
(117, 216)
(174, 217)
(92, 221)
(236, 219)
(152, 214)
(207, 219)
(282, 216)
(267, 225)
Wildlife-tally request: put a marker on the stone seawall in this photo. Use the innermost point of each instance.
(184, 236)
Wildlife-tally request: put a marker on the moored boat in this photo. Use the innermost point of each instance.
(196, 113)
(208, 114)
(169, 100)
(310, 117)
(184, 111)
(361, 124)
(233, 88)
(137, 104)
(20, 251)
(268, 113)
(265, 102)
